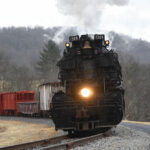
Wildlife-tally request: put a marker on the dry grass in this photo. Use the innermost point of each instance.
(15, 132)
(138, 122)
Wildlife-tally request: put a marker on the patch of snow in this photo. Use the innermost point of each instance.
(123, 138)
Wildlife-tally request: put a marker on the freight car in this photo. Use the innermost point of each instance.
(23, 102)
(9, 101)
(30, 108)
(26, 96)
(1, 107)
(46, 92)
(39, 107)
(93, 97)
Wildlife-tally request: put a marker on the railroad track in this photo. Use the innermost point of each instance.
(35, 144)
(57, 143)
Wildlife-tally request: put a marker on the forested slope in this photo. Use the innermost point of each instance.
(27, 59)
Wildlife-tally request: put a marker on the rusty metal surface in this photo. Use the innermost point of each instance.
(9, 101)
(22, 96)
(28, 107)
(1, 107)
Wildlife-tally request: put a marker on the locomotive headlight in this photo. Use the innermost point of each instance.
(107, 43)
(85, 92)
(67, 45)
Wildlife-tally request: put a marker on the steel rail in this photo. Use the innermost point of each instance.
(34, 144)
(79, 142)
(55, 143)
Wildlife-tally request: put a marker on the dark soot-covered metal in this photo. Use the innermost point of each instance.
(87, 63)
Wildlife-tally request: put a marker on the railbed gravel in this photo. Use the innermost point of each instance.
(123, 138)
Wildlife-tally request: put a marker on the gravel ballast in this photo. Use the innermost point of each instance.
(123, 138)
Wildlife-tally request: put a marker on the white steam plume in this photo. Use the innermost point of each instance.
(59, 36)
(86, 13)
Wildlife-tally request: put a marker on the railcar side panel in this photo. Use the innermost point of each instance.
(9, 101)
(28, 108)
(1, 106)
(22, 96)
(46, 93)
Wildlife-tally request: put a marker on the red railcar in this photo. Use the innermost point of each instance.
(9, 103)
(24, 96)
(1, 107)
(10, 99)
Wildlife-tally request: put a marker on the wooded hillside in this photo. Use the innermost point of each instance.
(24, 50)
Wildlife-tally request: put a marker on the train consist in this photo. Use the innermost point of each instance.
(91, 76)
(23, 103)
(9, 101)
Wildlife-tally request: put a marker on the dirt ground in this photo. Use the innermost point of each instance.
(15, 132)
(138, 122)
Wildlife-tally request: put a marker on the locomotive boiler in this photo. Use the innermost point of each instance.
(93, 97)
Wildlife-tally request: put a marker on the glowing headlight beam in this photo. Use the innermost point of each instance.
(67, 45)
(85, 92)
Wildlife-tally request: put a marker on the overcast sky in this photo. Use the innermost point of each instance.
(132, 19)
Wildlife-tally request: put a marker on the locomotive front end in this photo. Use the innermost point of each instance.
(91, 75)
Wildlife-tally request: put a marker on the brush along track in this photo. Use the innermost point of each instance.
(57, 143)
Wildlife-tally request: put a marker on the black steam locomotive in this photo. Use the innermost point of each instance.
(91, 75)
